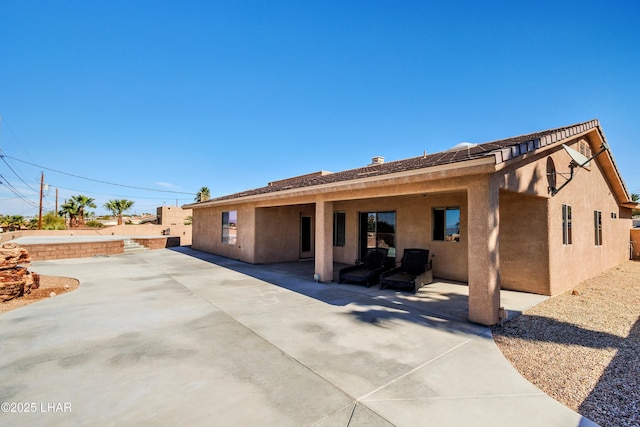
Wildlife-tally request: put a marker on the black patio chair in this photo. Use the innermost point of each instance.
(368, 270)
(414, 272)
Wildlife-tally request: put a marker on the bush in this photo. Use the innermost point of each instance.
(50, 221)
(94, 224)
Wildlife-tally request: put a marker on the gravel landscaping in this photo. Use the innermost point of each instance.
(582, 347)
(50, 286)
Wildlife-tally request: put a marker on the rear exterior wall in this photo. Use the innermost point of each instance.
(524, 244)
(207, 232)
(413, 230)
(573, 263)
(277, 237)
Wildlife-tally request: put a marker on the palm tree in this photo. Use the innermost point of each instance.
(71, 209)
(118, 206)
(203, 194)
(635, 197)
(82, 202)
(12, 222)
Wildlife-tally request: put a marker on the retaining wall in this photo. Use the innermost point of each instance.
(43, 252)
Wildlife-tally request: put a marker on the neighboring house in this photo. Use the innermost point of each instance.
(484, 210)
(172, 215)
(149, 219)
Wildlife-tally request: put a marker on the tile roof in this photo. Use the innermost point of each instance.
(503, 150)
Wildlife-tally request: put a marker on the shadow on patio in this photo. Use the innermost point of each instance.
(442, 299)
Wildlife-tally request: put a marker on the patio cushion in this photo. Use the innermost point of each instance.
(415, 261)
(375, 258)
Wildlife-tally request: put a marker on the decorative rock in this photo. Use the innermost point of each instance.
(15, 280)
(52, 294)
(12, 255)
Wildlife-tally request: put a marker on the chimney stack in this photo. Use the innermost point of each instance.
(377, 160)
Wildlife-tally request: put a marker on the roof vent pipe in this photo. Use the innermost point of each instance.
(377, 160)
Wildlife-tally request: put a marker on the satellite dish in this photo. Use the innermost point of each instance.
(577, 158)
(551, 174)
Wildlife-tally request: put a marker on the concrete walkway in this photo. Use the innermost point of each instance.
(178, 337)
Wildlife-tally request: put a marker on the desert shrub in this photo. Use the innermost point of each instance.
(94, 224)
(51, 221)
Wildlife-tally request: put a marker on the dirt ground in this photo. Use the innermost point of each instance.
(582, 347)
(48, 284)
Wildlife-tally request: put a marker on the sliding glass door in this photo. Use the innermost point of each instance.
(378, 230)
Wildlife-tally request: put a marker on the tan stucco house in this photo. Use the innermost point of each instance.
(485, 211)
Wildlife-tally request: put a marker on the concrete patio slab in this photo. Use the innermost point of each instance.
(172, 337)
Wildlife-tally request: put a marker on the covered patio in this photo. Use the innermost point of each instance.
(508, 232)
(443, 299)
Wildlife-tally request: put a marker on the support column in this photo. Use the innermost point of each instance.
(483, 230)
(324, 241)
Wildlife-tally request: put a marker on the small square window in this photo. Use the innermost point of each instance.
(446, 224)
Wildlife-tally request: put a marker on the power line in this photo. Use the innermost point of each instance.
(15, 191)
(16, 174)
(94, 180)
(114, 195)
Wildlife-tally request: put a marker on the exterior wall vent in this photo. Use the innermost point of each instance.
(377, 160)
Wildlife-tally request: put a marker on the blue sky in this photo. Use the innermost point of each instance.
(173, 96)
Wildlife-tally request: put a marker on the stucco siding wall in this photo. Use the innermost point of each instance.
(524, 245)
(635, 239)
(572, 264)
(204, 229)
(451, 259)
(568, 265)
(413, 230)
(207, 232)
(278, 232)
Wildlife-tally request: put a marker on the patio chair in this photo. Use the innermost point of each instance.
(415, 271)
(367, 271)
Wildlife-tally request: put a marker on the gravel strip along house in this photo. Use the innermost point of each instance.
(494, 215)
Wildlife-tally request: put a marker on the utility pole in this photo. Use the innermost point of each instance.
(56, 202)
(41, 190)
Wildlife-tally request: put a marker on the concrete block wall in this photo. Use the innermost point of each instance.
(155, 243)
(44, 252)
(181, 231)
